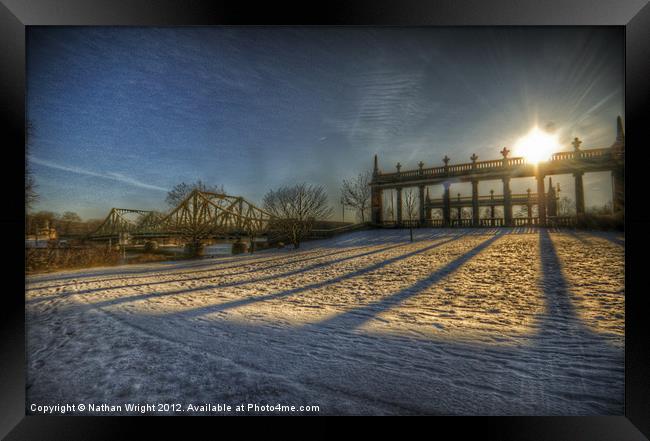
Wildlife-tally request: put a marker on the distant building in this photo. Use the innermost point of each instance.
(42, 237)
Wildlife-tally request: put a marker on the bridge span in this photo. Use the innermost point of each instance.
(201, 215)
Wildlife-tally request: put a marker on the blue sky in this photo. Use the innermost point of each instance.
(123, 114)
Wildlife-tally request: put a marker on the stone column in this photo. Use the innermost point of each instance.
(541, 200)
(475, 221)
(376, 205)
(492, 208)
(399, 206)
(507, 202)
(580, 193)
(421, 188)
(446, 210)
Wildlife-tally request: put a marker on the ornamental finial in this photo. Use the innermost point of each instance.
(576, 143)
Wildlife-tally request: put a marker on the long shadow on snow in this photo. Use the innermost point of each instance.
(361, 364)
(261, 279)
(161, 267)
(238, 303)
(284, 262)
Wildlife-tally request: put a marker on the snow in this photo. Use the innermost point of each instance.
(516, 321)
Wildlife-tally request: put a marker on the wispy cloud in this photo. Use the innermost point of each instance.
(80, 171)
(389, 103)
(593, 109)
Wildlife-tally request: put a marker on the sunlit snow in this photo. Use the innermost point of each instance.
(486, 321)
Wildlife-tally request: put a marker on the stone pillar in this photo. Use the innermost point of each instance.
(376, 208)
(492, 207)
(399, 206)
(475, 221)
(446, 210)
(580, 193)
(507, 202)
(428, 210)
(541, 202)
(618, 191)
(421, 188)
(551, 200)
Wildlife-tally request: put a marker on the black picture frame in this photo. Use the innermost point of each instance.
(634, 15)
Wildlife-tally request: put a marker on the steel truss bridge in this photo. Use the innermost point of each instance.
(201, 214)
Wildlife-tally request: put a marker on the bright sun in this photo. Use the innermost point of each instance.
(536, 146)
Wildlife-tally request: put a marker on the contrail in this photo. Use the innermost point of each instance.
(112, 176)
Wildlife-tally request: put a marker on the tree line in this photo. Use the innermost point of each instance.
(68, 223)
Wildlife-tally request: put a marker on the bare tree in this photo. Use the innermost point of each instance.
(31, 196)
(295, 209)
(566, 206)
(410, 203)
(356, 193)
(180, 191)
(521, 211)
(91, 225)
(486, 212)
(69, 223)
(41, 220)
(601, 209)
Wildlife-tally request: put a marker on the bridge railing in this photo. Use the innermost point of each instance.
(561, 221)
(434, 222)
(491, 222)
(414, 223)
(410, 223)
(461, 222)
(451, 169)
(581, 154)
(525, 221)
(323, 233)
(489, 164)
(556, 221)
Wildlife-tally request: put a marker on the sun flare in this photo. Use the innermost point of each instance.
(536, 146)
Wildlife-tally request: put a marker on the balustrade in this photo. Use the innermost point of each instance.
(492, 222)
(461, 222)
(496, 164)
(525, 221)
(561, 221)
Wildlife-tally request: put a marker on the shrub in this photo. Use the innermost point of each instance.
(55, 257)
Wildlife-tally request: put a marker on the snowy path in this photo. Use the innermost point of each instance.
(457, 322)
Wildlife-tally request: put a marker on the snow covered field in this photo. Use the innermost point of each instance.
(490, 322)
